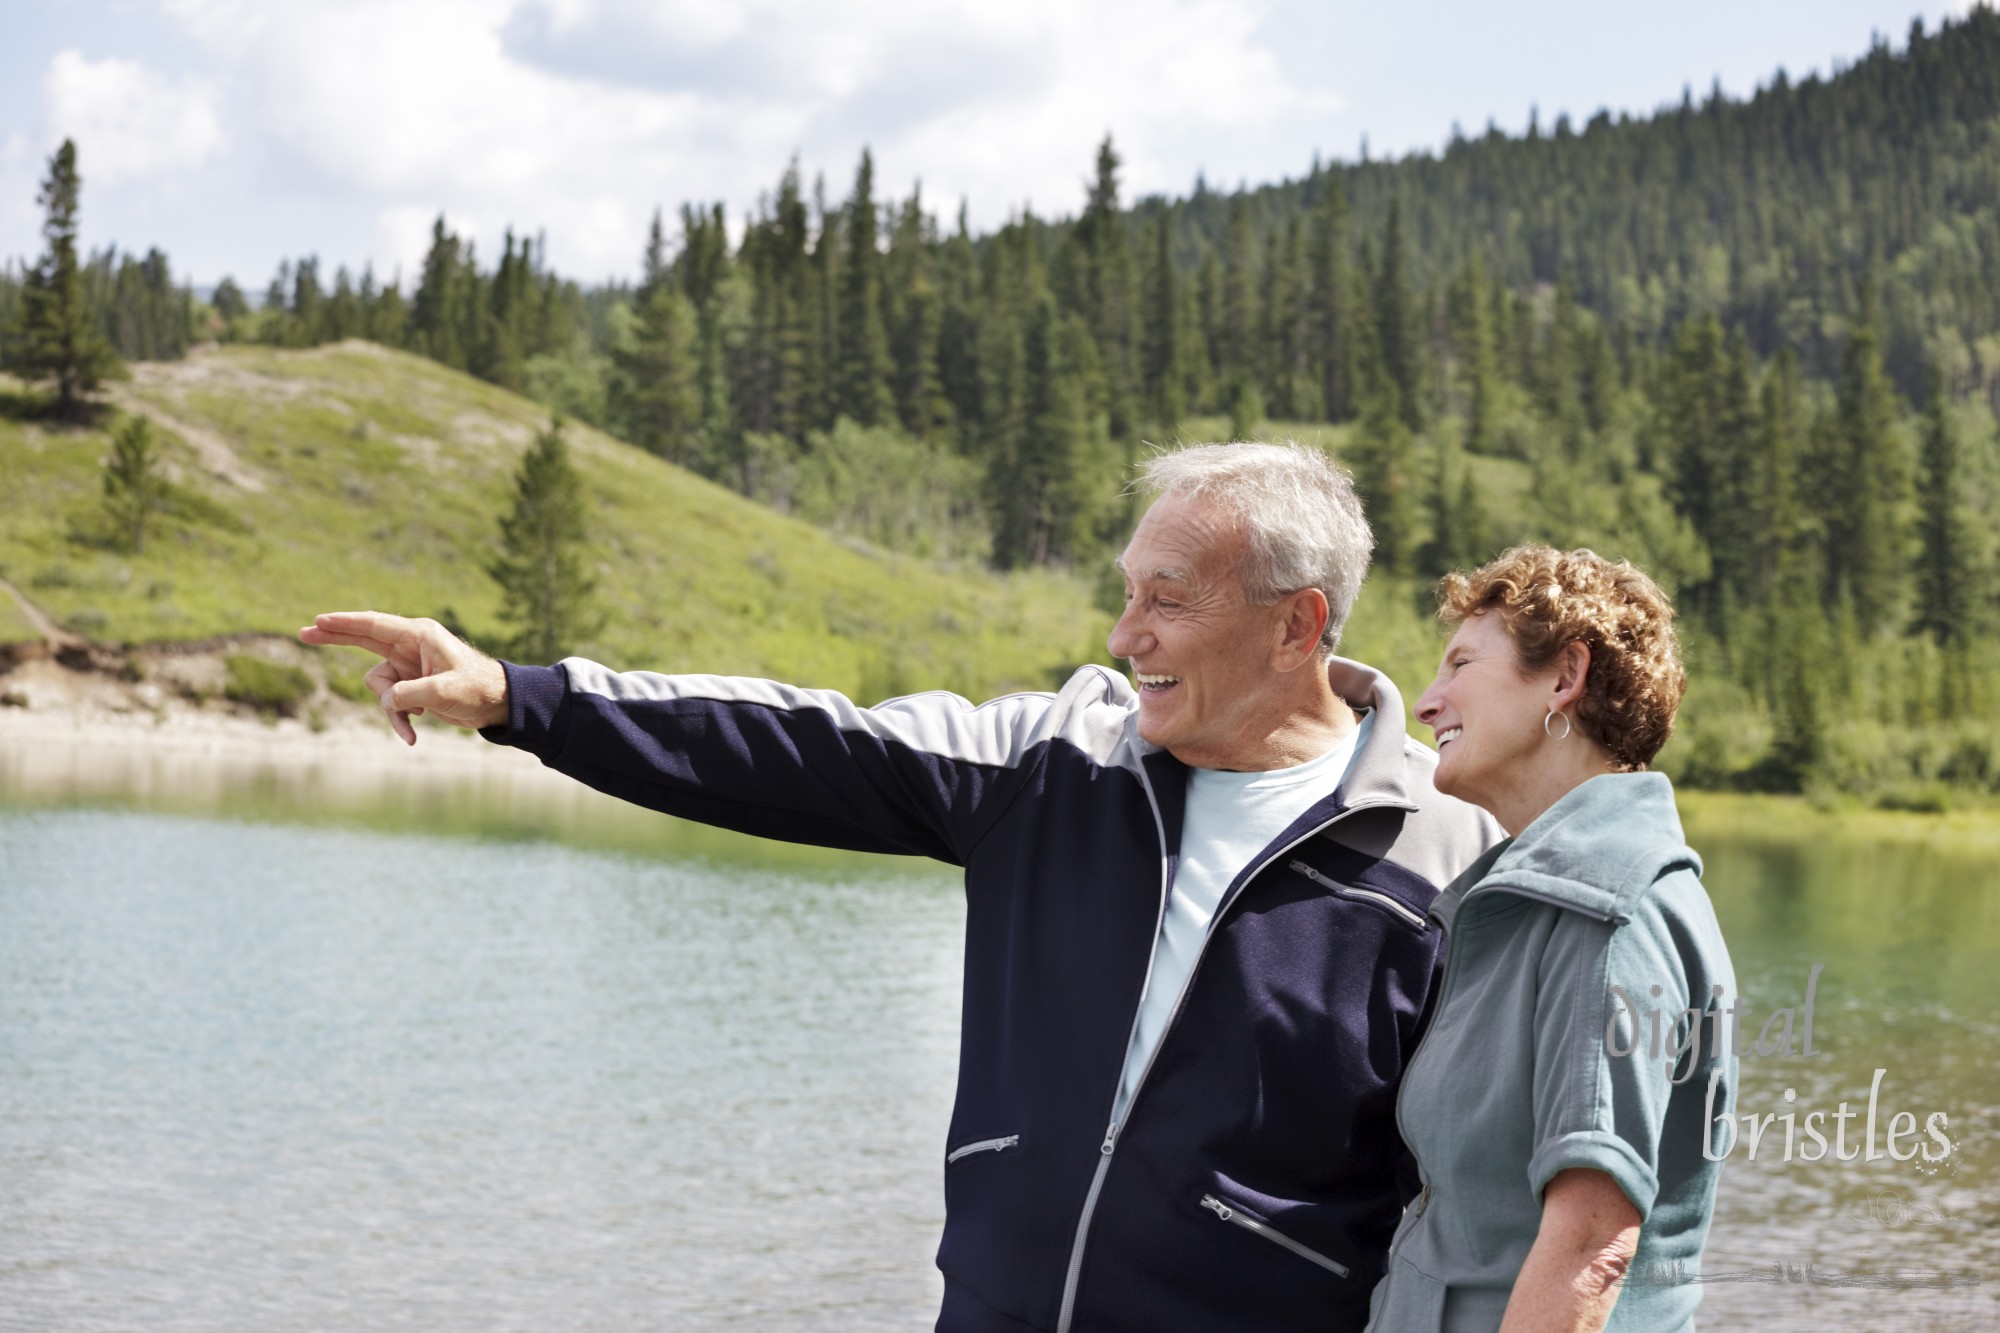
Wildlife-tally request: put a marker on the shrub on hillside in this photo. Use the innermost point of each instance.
(272, 688)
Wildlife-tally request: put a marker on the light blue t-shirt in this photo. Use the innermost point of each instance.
(1230, 818)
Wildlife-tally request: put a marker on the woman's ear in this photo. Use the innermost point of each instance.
(1572, 673)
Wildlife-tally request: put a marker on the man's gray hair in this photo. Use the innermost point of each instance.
(1298, 509)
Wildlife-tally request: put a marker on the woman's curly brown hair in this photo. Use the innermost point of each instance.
(1546, 599)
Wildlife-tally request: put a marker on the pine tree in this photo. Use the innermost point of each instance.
(1044, 474)
(1784, 533)
(1708, 425)
(1232, 345)
(272, 308)
(1331, 301)
(1161, 367)
(1283, 335)
(823, 313)
(134, 486)
(1459, 538)
(1472, 334)
(1947, 578)
(343, 309)
(1867, 480)
(436, 315)
(229, 301)
(1384, 474)
(1800, 706)
(959, 371)
(656, 397)
(547, 591)
(1106, 295)
(773, 395)
(1394, 324)
(706, 277)
(389, 317)
(501, 353)
(863, 379)
(1558, 378)
(56, 338)
(305, 310)
(914, 320)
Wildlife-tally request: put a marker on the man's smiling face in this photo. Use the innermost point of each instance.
(1201, 653)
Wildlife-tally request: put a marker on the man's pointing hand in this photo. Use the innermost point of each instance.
(424, 669)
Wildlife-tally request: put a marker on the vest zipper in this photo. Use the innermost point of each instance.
(1270, 1233)
(984, 1145)
(1350, 891)
(1110, 1143)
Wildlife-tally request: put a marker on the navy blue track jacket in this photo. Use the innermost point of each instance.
(1258, 1175)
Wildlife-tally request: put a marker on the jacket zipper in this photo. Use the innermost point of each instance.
(1350, 891)
(1271, 1233)
(1110, 1143)
(983, 1145)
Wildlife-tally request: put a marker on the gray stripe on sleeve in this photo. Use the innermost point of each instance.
(1089, 712)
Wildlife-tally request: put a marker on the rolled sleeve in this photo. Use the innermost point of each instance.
(1593, 1108)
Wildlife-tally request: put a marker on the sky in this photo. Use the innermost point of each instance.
(234, 133)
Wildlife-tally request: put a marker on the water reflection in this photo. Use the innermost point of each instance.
(1906, 933)
(451, 785)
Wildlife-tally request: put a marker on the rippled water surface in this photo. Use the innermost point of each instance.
(349, 1075)
(1907, 935)
(260, 1077)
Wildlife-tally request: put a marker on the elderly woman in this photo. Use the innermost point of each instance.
(1558, 1106)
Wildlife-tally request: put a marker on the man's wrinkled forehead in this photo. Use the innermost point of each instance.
(1182, 541)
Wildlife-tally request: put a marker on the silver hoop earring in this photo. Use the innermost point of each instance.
(1550, 716)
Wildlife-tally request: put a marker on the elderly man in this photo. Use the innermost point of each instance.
(1197, 954)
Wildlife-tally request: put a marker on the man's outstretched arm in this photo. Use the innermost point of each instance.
(424, 669)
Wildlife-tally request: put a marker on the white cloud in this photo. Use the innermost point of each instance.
(582, 116)
(128, 122)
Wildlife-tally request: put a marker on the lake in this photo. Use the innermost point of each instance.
(281, 1049)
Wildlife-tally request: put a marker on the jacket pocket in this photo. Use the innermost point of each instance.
(982, 1146)
(1401, 912)
(1235, 1216)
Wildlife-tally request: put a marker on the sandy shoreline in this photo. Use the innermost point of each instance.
(73, 733)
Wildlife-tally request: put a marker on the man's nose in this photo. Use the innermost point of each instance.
(1427, 707)
(1127, 639)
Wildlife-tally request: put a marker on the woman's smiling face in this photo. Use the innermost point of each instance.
(1486, 715)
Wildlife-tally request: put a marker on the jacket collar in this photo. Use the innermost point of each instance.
(1378, 775)
(1595, 851)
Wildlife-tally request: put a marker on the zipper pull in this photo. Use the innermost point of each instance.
(1110, 1139)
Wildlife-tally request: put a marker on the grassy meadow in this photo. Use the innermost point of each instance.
(352, 476)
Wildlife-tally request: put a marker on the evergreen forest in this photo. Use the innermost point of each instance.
(1751, 344)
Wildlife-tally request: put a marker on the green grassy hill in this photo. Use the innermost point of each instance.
(351, 476)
